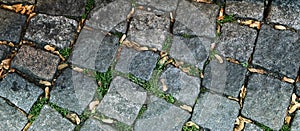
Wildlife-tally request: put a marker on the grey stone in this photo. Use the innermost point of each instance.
(10, 118)
(94, 125)
(161, 116)
(285, 12)
(278, 51)
(140, 64)
(246, 8)
(251, 127)
(102, 3)
(266, 100)
(295, 126)
(49, 119)
(215, 112)
(183, 87)
(19, 91)
(227, 78)
(11, 26)
(61, 7)
(36, 63)
(4, 51)
(73, 90)
(120, 103)
(298, 88)
(17, 1)
(161, 6)
(56, 30)
(236, 42)
(201, 18)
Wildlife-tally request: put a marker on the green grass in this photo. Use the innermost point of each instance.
(167, 44)
(60, 110)
(285, 128)
(168, 97)
(265, 128)
(123, 127)
(142, 110)
(245, 64)
(105, 79)
(189, 128)
(65, 52)
(36, 109)
(227, 18)
(88, 7)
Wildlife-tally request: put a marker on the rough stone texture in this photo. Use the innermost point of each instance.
(56, 30)
(19, 91)
(140, 64)
(285, 12)
(227, 78)
(120, 103)
(35, 63)
(94, 125)
(49, 119)
(73, 90)
(102, 3)
(4, 51)
(61, 7)
(251, 127)
(17, 1)
(298, 88)
(296, 122)
(278, 51)
(161, 116)
(267, 100)
(161, 6)
(201, 18)
(10, 118)
(11, 26)
(212, 111)
(236, 42)
(246, 8)
(183, 87)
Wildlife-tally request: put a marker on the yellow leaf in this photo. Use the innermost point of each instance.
(187, 108)
(46, 83)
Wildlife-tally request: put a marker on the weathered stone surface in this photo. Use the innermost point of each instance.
(73, 90)
(236, 42)
(227, 78)
(296, 122)
(285, 12)
(161, 6)
(94, 125)
(298, 87)
(161, 116)
(10, 118)
(140, 64)
(246, 8)
(215, 112)
(61, 7)
(17, 1)
(278, 51)
(266, 100)
(49, 119)
(183, 87)
(102, 3)
(56, 30)
(19, 91)
(120, 103)
(36, 63)
(11, 25)
(251, 127)
(4, 51)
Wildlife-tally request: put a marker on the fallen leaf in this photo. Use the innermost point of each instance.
(187, 108)
(122, 38)
(108, 121)
(232, 60)
(47, 92)
(288, 119)
(142, 48)
(233, 98)
(46, 83)
(74, 118)
(6, 63)
(164, 86)
(78, 69)
(289, 80)
(219, 58)
(93, 104)
(172, 18)
(293, 108)
(190, 123)
(62, 66)
(49, 48)
(204, 1)
(259, 71)
(280, 27)
(256, 24)
(130, 14)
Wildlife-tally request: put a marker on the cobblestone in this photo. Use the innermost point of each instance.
(17, 1)
(95, 125)
(4, 50)
(246, 8)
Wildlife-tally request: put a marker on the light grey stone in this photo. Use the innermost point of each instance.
(251, 127)
(245, 8)
(161, 6)
(95, 125)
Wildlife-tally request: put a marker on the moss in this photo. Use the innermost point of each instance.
(226, 19)
(104, 79)
(36, 109)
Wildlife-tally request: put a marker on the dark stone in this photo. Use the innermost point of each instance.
(95, 125)
(161, 6)
(4, 51)
(17, 1)
(245, 8)
(102, 3)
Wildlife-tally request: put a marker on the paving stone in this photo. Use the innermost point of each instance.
(49, 119)
(56, 30)
(140, 64)
(212, 111)
(4, 51)
(183, 87)
(119, 103)
(201, 18)
(252, 127)
(285, 12)
(73, 90)
(246, 8)
(61, 7)
(161, 116)
(227, 78)
(35, 63)
(266, 100)
(161, 6)
(19, 91)
(298, 87)
(236, 42)
(10, 118)
(295, 126)
(94, 125)
(11, 25)
(102, 3)
(17, 1)
(278, 51)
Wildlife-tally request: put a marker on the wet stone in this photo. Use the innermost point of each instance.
(278, 51)
(183, 87)
(19, 91)
(119, 103)
(285, 12)
(11, 26)
(295, 126)
(35, 63)
(267, 100)
(61, 7)
(236, 42)
(73, 90)
(251, 127)
(226, 78)
(246, 8)
(17, 1)
(56, 30)
(95, 125)
(161, 116)
(4, 51)
(140, 64)
(212, 111)
(49, 119)
(161, 6)
(10, 118)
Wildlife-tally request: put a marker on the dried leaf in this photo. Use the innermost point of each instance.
(108, 121)
(259, 71)
(47, 92)
(17, 7)
(219, 58)
(233, 98)
(286, 79)
(288, 119)
(294, 98)
(142, 48)
(49, 48)
(11, 44)
(27, 126)
(78, 69)
(130, 14)
(164, 86)
(187, 108)
(293, 108)
(232, 60)
(62, 66)
(172, 18)
(256, 24)
(204, 1)
(122, 38)
(247, 22)
(74, 118)
(93, 104)
(280, 27)
(190, 123)
(46, 83)
(6, 63)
